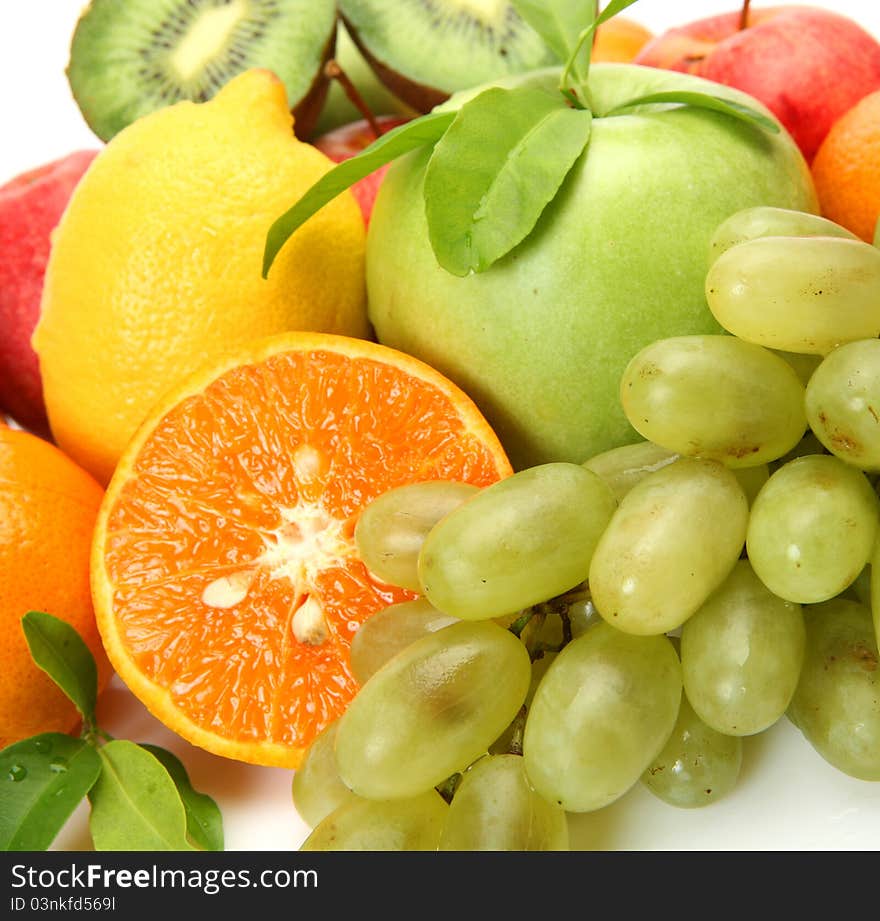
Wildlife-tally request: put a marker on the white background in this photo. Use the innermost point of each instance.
(788, 798)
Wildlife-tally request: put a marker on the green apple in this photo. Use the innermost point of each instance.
(616, 261)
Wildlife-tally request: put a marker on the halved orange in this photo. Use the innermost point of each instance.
(225, 577)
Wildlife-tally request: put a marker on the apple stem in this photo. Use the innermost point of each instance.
(744, 15)
(335, 72)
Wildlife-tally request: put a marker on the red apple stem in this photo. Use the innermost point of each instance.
(744, 15)
(335, 72)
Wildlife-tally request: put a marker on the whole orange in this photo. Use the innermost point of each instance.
(620, 39)
(48, 508)
(846, 169)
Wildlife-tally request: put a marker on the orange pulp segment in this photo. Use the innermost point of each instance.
(226, 581)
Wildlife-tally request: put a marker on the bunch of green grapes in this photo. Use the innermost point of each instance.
(580, 629)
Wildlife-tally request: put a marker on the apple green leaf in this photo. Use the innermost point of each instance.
(497, 167)
(42, 780)
(559, 22)
(611, 10)
(204, 821)
(135, 805)
(393, 144)
(577, 63)
(60, 652)
(703, 101)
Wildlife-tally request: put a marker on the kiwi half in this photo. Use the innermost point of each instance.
(425, 50)
(130, 58)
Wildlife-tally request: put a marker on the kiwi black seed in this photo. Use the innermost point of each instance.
(130, 58)
(424, 50)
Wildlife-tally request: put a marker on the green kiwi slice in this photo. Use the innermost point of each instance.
(425, 50)
(130, 58)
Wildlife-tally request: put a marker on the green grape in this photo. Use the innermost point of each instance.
(843, 403)
(495, 809)
(861, 588)
(697, 766)
(432, 710)
(603, 711)
(874, 589)
(766, 221)
(797, 294)
(812, 528)
(809, 444)
(623, 467)
(581, 615)
(511, 739)
(671, 543)
(579, 611)
(803, 365)
(540, 667)
(317, 788)
(411, 824)
(752, 480)
(716, 397)
(391, 529)
(837, 702)
(388, 631)
(741, 655)
(521, 541)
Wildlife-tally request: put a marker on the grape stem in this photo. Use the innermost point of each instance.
(566, 627)
(515, 747)
(448, 787)
(555, 606)
(517, 627)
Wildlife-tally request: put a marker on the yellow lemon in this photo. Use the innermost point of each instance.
(156, 263)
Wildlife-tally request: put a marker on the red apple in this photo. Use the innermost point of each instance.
(807, 65)
(348, 140)
(31, 205)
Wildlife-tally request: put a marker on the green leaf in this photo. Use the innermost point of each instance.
(393, 144)
(135, 805)
(42, 780)
(204, 821)
(610, 11)
(703, 101)
(559, 22)
(578, 61)
(495, 170)
(60, 651)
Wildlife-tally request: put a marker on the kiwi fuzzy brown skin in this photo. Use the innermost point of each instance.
(419, 96)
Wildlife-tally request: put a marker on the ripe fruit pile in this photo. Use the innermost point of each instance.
(315, 547)
(584, 627)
